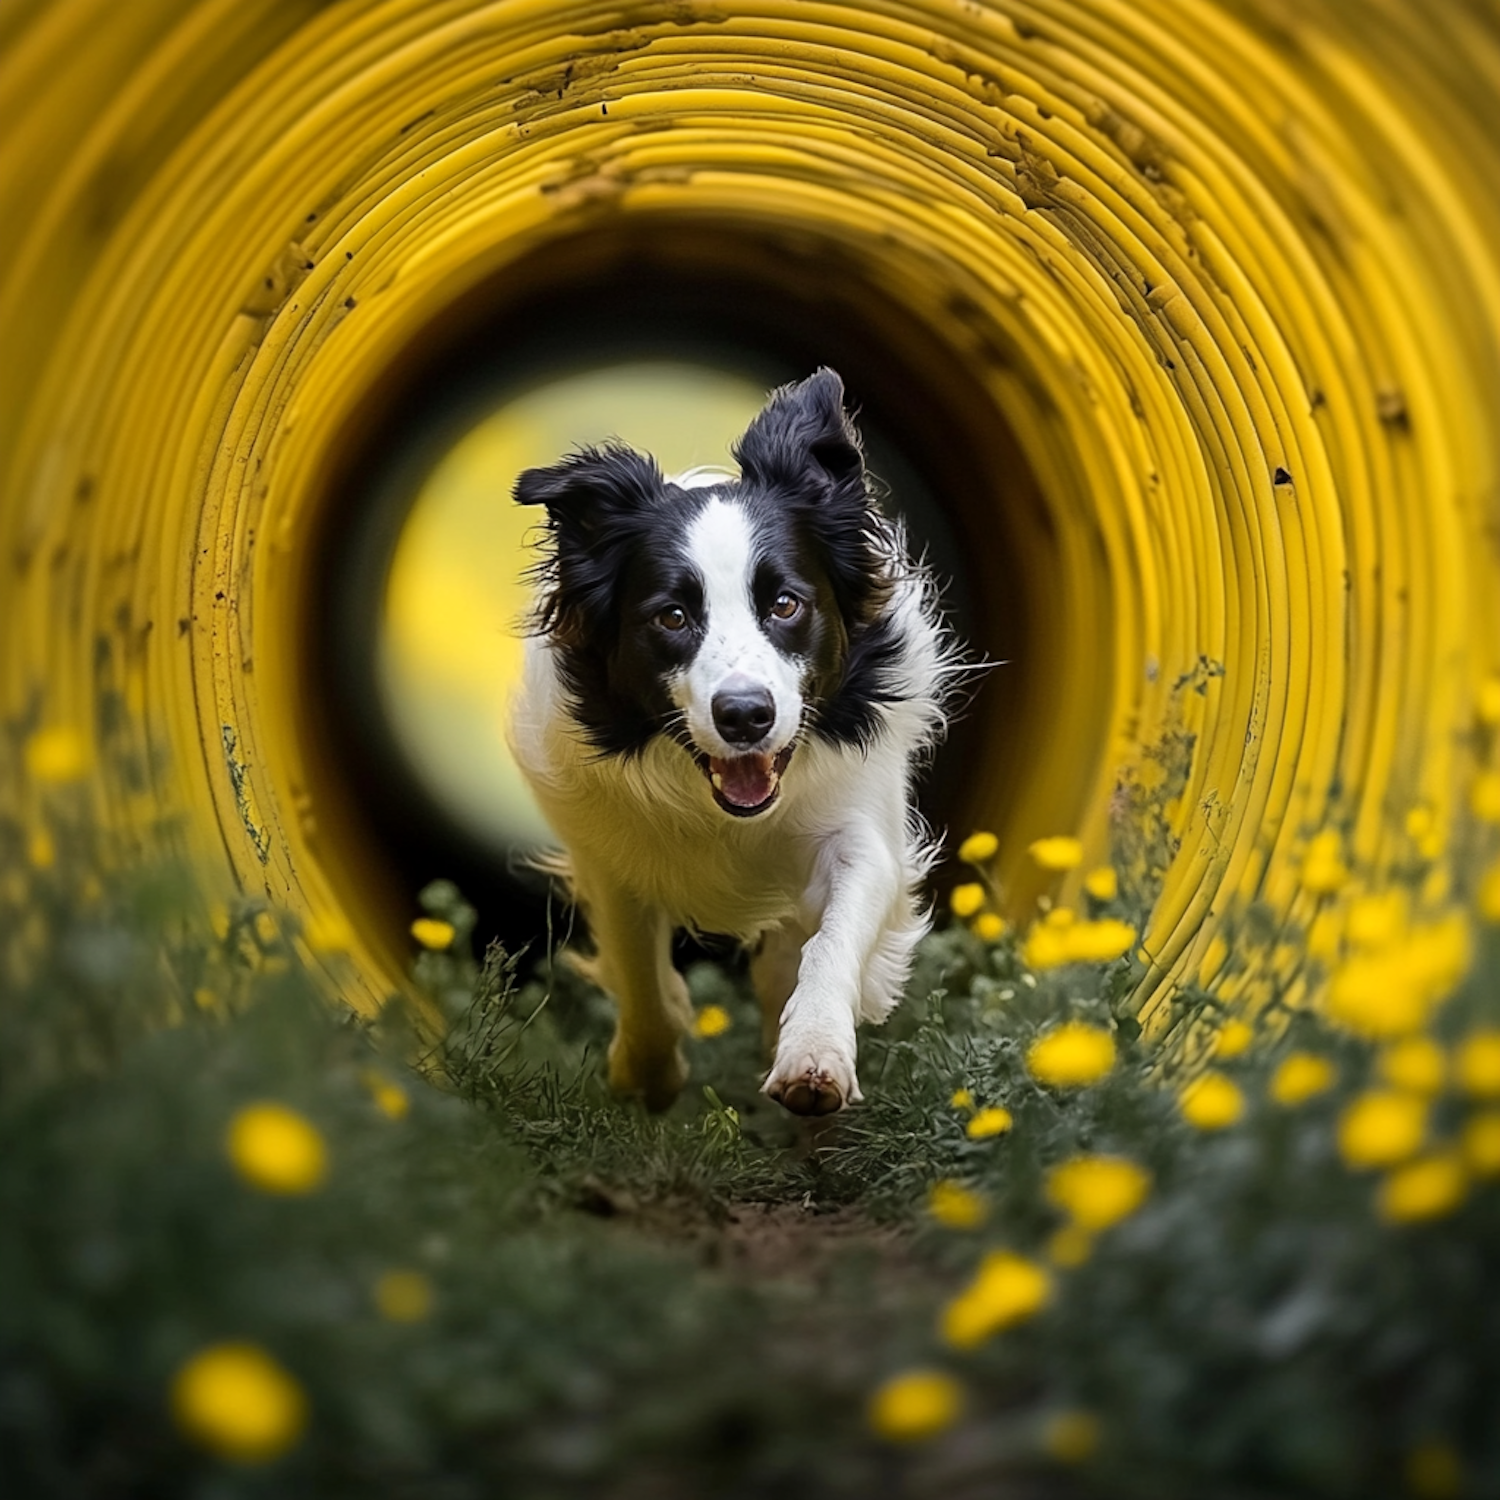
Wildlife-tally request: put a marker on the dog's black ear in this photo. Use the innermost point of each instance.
(592, 486)
(804, 438)
(804, 447)
(594, 498)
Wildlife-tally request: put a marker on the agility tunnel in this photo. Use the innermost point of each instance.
(1187, 315)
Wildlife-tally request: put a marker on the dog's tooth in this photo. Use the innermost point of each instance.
(718, 781)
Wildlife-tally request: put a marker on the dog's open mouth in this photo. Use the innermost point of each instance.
(744, 785)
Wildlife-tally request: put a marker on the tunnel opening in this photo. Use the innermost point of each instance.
(741, 307)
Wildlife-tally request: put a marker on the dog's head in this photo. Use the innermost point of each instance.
(731, 616)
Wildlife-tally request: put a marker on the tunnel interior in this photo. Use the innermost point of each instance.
(755, 305)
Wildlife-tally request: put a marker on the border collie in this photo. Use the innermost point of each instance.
(729, 683)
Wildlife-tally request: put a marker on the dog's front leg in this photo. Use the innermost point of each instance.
(858, 881)
(634, 941)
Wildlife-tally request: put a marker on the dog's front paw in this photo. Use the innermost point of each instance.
(810, 1080)
(654, 1075)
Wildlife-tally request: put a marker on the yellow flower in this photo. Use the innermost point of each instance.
(1416, 1064)
(1426, 1188)
(1484, 797)
(977, 848)
(1481, 1143)
(988, 1122)
(1071, 1055)
(920, 1404)
(1433, 1472)
(328, 932)
(277, 1150)
(390, 1098)
(1487, 702)
(1382, 1128)
(1071, 1437)
(1323, 868)
(1098, 1191)
(1100, 942)
(1367, 997)
(57, 756)
(712, 1020)
(1376, 920)
(41, 851)
(205, 999)
(1061, 939)
(965, 900)
(403, 1296)
(1070, 1246)
(1476, 1064)
(1420, 823)
(1211, 1102)
(1489, 894)
(989, 927)
(1061, 853)
(962, 1099)
(238, 1402)
(1300, 1077)
(1007, 1289)
(1046, 947)
(433, 934)
(1102, 884)
(1393, 992)
(954, 1206)
(1234, 1039)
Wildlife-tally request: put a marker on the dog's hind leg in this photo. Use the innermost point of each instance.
(773, 973)
(634, 940)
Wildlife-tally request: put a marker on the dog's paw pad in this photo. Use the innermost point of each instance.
(814, 1093)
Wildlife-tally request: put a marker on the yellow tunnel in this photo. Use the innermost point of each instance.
(1196, 304)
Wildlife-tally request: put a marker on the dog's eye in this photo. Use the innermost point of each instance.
(673, 617)
(785, 606)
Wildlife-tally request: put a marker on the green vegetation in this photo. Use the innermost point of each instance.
(456, 1267)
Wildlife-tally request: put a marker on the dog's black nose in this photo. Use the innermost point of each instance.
(743, 715)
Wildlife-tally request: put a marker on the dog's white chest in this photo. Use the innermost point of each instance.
(701, 871)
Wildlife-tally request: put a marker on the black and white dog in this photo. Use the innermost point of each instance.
(728, 686)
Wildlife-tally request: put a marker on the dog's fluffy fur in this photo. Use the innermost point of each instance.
(728, 686)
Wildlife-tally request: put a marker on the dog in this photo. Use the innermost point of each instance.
(730, 684)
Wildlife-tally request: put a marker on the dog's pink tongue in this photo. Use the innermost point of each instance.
(746, 780)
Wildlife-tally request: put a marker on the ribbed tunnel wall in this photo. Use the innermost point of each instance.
(1223, 279)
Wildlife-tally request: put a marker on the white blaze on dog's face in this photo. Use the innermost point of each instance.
(741, 693)
(729, 616)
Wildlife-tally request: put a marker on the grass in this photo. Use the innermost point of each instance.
(594, 1301)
